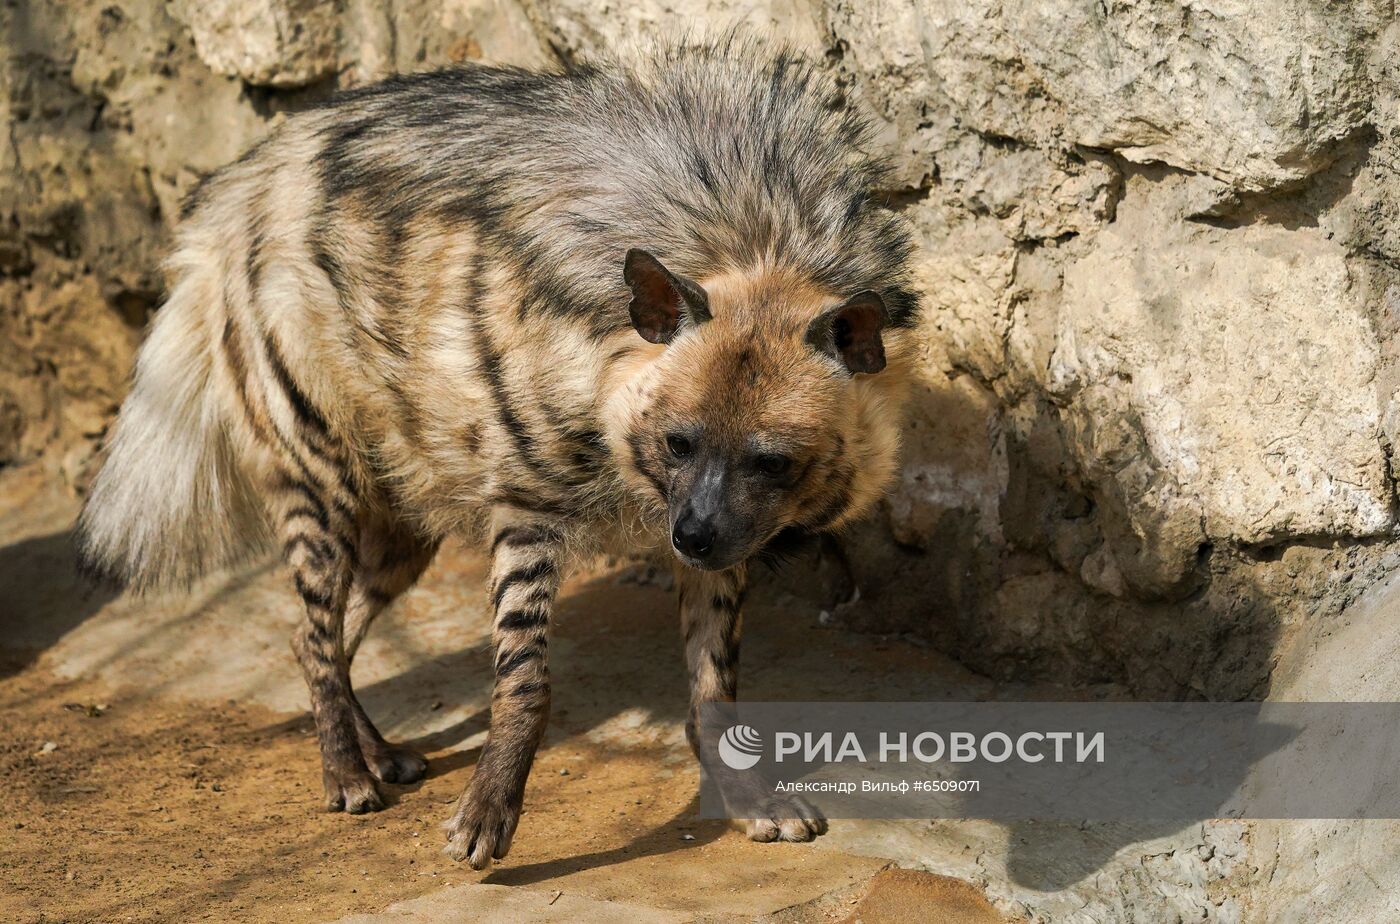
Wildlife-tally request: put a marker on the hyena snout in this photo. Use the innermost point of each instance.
(707, 531)
(694, 536)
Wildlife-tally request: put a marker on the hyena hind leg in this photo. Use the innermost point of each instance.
(391, 557)
(319, 532)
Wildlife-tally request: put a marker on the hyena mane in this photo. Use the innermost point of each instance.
(720, 154)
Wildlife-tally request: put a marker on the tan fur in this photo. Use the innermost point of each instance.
(748, 372)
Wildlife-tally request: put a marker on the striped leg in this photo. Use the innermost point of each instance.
(317, 540)
(712, 618)
(390, 558)
(317, 508)
(711, 604)
(526, 553)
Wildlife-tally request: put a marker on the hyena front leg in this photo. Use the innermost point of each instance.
(711, 604)
(526, 556)
(318, 531)
(390, 558)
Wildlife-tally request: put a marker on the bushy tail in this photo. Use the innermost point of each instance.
(172, 501)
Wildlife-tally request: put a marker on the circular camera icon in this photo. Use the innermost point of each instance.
(740, 747)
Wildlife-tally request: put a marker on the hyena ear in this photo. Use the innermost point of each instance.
(850, 333)
(661, 300)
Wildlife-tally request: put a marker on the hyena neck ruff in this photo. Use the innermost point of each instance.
(765, 404)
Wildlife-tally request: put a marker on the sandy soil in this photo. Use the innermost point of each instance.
(158, 764)
(153, 811)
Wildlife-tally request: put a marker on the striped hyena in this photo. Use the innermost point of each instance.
(416, 311)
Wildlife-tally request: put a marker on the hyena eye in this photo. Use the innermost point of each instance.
(680, 447)
(771, 463)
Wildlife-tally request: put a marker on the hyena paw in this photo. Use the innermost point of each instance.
(352, 791)
(392, 763)
(481, 830)
(787, 819)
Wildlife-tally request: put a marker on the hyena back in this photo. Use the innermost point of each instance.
(656, 304)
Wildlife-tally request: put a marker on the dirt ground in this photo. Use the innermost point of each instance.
(210, 812)
(158, 763)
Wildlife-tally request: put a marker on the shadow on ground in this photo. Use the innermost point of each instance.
(44, 597)
(619, 689)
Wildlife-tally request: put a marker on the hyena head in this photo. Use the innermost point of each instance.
(769, 408)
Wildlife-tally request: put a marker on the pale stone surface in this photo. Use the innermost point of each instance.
(1036, 195)
(960, 467)
(1336, 870)
(965, 269)
(605, 27)
(278, 43)
(379, 39)
(1246, 361)
(1253, 91)
(1101, 873)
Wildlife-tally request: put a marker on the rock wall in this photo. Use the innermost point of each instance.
(1156, 252)
(1151, 450)
(1160, 243)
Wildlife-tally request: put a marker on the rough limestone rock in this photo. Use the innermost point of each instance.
(1035, 194)
(1246, 360)
(592, 27)
(1254, 92)
(274, 43)
(378, 39)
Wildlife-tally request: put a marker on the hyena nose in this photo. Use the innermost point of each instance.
(693, 537)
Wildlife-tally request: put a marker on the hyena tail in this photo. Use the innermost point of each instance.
(172, 502)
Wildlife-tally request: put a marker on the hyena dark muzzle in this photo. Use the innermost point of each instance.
(726, 502)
